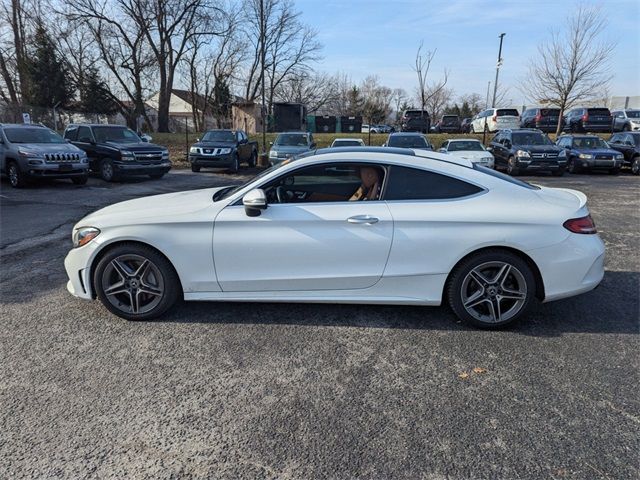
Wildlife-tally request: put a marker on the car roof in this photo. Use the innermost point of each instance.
(293, 131)
(95, 125)
(463, 140)
(511, 130)
(23, 125)
(405, 134)
(349, 139)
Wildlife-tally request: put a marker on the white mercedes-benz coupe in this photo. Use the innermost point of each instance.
(345, 225)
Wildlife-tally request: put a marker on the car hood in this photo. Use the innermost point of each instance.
(43, 148)
(538, 148)
(204, 144)
(166, 208)
(135, 146)
(597, 151)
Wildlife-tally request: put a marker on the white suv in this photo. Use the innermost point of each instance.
(496, 119)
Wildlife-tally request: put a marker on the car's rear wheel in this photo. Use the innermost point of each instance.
(80, 180)
(512, 168)
(626, 128)
(635, 166)
(17, 179)
(136, 282)
(253, 160)
(491, 289)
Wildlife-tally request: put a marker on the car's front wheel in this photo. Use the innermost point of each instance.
(573, 166)
(82, 180)
(17, 179)
(107, 170)
(235, 164)
(512, 168)
(491, 289)
(635, 166)
(136, 282)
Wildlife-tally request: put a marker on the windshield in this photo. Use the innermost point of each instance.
(346, 143)
(633, 113)
(219, 136)
(115, 134)
(292, 140)
(408, 141)
(228, 191)
(32, 135)
(589, 142)
(466, 145)
(530, 138)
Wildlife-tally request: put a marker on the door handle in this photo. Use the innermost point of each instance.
(363, 219)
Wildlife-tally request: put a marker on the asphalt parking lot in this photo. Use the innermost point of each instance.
(310, 391)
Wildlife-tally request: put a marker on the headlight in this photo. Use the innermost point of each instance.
(191, 150)
(523, 153)
(488, 159)
(28, 154)
(273, 153)
(585, 156)
(225, 151)
(127, 155)
(619, 157)
(84, 235)
(165, 154)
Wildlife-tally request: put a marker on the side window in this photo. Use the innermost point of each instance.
(407, 183)
(614, 138)
(445, 145)
(330, 182)
(84, 135)
(71, 133)
(497, 138)
(628, 140)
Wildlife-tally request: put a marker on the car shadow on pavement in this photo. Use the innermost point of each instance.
(612, 308)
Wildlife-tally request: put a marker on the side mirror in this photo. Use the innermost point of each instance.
(507, 144)
(271, 144)
(254, 201)
(144, 138)
(197, 139)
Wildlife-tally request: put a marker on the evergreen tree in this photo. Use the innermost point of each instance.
(95, 96)
(355, 102)
(222, 99)
(49, 80)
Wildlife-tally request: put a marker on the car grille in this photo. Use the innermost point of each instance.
(544, 155)
(211, 151)
(604, 157)
(148, 158)
(61, 157)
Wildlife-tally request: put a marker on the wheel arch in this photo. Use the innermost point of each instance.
(110, 246)
(540, 294)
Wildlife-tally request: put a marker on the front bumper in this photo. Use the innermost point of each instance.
(529, 164)
(212, 161)
(45, 170)
(595, 164)
(77, 263)
(571, 267)
(140, 169)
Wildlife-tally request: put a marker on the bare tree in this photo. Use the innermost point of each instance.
(426, 90)
(398, 96)
(377, 100)
(318, 91)
(437, 100)
(573, 64)
(14, 30)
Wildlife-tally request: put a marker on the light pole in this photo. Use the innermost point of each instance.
(495, 84)
(263, 111)
(486, 103)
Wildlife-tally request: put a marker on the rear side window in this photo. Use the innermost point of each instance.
(502, 112)
(407, 183)
(502, 176)
(71, 133)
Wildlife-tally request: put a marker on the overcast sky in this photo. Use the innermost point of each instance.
(380, 37)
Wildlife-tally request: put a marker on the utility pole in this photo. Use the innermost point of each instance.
(495, 84)
(486, 103)
(263, 110)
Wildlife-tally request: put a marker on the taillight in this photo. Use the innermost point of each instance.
(585, 117)
(494, 118)
(538, 117)
(584, 225)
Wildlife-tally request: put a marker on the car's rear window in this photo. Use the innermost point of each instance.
(550, 112)
(599, 111)
(416, 113)
(503, 112)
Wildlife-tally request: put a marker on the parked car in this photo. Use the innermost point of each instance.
(544, 119)
(448, 124)
(116, 151)
(465, 125)
(626, 120)
(370, 129)
(495, 119)
(415, 121)
(628, 143)
(223, 149)
(487, 244)
(385, 128)
(468, 149)
(581, 120)
(34, 151)
(347, 142)
(589, 152)
(526, 150)
(289, 144)
(408, 140)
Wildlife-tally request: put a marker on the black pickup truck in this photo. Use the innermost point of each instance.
(116, 151)
(223, 149)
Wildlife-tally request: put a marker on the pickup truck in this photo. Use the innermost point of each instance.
(116, 151)
(223, 149)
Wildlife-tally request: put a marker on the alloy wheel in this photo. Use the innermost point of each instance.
(13, 175)
(107, 171)
(494, 292)
(635, 166)
(133, 284)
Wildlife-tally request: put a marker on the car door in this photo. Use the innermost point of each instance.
(3, 155)
(86, 142)
(304, 244)
(498, 151)
(242, 146)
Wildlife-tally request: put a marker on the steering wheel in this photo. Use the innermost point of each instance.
(281, 193)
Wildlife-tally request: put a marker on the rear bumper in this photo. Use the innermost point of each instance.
(598, 127)
(212, 161)
(571, 267)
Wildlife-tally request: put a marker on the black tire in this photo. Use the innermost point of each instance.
(107, 170)
(163, 279)
(17, 179)
(235, 164)
(614, 171)
(195, 168)
(626, 128)
(253, 159)
(558, 173)
(156, 176)
(511, 167)
(573, 166)
(80, 180)
(519, 278)
(635, 166)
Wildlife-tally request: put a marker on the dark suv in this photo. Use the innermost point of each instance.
(589, 152)
(415, 121)
(448, 124)
(116, 151)
(628, 143)
(526, 149)
(581, 120)
(544, 119)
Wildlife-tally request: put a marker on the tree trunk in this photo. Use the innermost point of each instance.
(164, 97)
(559, 126)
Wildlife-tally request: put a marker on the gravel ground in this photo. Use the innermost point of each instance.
(310, 391)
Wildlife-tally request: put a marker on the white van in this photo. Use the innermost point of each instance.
(495, 119)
